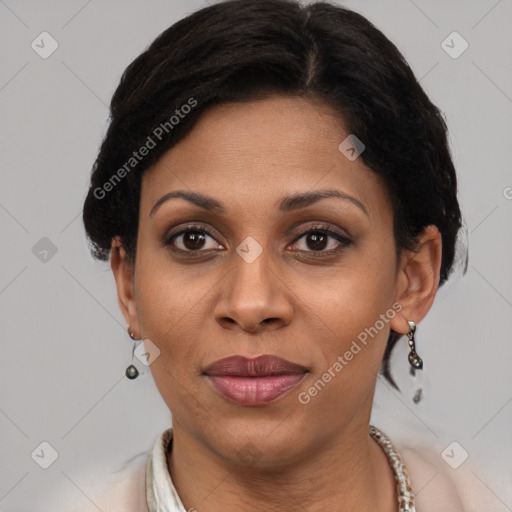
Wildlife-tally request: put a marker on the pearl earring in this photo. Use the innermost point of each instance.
(131, 372)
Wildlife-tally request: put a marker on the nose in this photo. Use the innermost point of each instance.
(254, 297)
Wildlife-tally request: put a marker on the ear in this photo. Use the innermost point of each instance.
(123, 275)
(418, 280)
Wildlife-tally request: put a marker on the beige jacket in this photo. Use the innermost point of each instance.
(438, 487)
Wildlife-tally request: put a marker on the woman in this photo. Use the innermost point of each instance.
(274, 184)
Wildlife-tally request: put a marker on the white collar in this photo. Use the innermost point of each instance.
(161, 494)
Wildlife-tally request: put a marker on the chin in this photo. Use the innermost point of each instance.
(263, 444)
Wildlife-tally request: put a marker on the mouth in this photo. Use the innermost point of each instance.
(255, 381)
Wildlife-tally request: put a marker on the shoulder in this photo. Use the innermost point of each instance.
(124, 491)
(441, 488)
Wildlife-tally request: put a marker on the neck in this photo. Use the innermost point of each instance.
(348, 473)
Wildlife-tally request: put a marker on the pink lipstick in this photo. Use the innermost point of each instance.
(254, 381)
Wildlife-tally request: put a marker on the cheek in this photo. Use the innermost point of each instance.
(357, 294)
(159, 307)
(159, 292)
(345, 373)
(166, 316)
(356, 309)
(170, 307)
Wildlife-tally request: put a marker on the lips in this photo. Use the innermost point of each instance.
(254, 381)
(262, 366)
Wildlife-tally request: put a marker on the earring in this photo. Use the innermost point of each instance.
(131, 372)
(420, 381)
(414, 359)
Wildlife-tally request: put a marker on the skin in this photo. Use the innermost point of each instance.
(303, 308)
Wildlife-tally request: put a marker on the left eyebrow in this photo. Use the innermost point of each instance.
(204, 202)
(305, 199)
(287, 204)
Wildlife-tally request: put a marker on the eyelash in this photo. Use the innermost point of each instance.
(344, 241)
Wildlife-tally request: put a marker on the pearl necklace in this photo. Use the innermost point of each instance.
(403, 482)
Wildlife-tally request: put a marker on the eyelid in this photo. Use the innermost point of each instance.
(320, 226)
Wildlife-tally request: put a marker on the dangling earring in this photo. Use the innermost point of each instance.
(131, 372)
(414, 359)
(420, 380)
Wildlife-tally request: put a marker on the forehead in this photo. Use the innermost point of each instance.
(260, 151)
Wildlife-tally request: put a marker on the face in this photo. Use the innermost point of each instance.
(261, 273)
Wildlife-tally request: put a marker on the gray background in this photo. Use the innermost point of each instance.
(64, 345)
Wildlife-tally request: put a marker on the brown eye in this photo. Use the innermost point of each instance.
(317, 240)
(191, 239)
